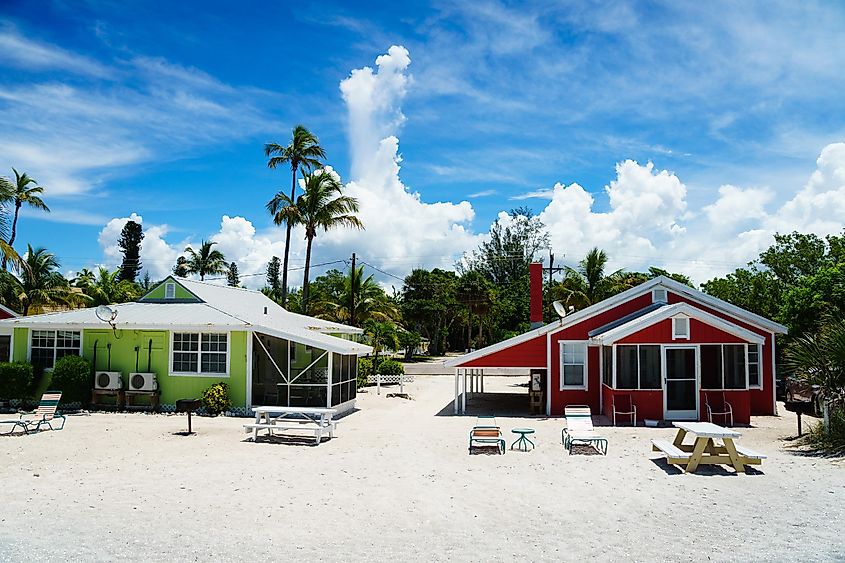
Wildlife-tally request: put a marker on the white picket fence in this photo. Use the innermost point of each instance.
(379, 379)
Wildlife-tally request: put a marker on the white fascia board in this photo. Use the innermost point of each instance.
(636, 325)
(321, 341)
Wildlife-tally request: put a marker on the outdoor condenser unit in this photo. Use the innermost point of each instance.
(142, 381)
(108, 380)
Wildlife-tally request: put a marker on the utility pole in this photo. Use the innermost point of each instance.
(352, 293)
(552, 270)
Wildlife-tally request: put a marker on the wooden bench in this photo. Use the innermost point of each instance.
(674, 454)
(317, 429)
(316, 420)
(752, 457)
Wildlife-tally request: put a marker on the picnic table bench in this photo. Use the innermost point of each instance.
(705, 450)
(278, 419)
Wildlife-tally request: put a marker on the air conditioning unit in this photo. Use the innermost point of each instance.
(142, 381)
(108, 380)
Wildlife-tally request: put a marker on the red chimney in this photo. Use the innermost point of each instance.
(535, 276)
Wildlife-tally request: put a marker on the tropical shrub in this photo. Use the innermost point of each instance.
(216, 400)
(391, 367)
(365, 370)
(16, 380)
(72, 376)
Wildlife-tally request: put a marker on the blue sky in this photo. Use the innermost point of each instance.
(162, 111)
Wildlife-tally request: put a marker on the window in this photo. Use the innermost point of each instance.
(5, 348)
(344, 375)
(200, 353)
(659, 295)
(607, 365)
(48, 346)
(680, 328)
(170, 290)
(573, 365)
(754, 378)
(638, 367)
(723, 366)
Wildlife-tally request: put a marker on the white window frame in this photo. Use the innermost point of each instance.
(170, 290)
(586, 346)
(639, 386)
(199, 354)
(759, 362)
(722, 367)
(55, 332)
(656, 291)
(675, 335)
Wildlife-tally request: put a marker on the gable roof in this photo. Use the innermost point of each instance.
(215, 307)
(645, 287)
(667, 312)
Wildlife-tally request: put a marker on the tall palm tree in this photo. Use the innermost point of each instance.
(206, 261)
(363, 293)
(303, 151)
(24, 191)
(105, 287)
(41, 284)
(588, 284)
(322, 206)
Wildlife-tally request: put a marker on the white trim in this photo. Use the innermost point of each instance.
(638, 345)
(170, 290)
(663, 299)
(8, 311)
(774, 377)
(586, 373)
(676, 334)
(664, 313)
(683, 415)
(759, 367)
(199, 373)
(55, 347)
(548, 374)
(250, 335)
(721, 346)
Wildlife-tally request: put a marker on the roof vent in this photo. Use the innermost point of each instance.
(265, 310)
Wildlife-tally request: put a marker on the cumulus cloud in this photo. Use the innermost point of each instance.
(157, 255)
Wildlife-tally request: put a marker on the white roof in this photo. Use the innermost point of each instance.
(225, 308)
(619, 298)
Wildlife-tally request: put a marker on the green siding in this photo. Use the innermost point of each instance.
(181, 294)
(123, 359)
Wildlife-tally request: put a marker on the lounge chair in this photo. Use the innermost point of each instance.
(44, 415)
(623, 405)
(486, 432)
(579, 429)
(718, 405)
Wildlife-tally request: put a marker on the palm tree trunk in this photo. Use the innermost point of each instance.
(305, 276)
(287, 242)
(14, 231)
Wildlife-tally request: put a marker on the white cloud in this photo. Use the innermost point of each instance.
(157, 255)
(22, 52)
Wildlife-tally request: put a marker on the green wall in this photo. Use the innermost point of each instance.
(181, 294)
(123, 359)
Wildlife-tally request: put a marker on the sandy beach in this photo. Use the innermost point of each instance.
(396, 484)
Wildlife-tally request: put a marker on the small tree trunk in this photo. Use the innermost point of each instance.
(14, 232)
(305, 276)
(287, 241)
(826, 415)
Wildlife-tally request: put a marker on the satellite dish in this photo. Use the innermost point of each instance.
(106, 314)
(559, 309)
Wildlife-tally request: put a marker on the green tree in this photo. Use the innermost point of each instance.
(181, 268)
(106, 287)
(588, 283)
(322, 206)
(274, 280)
(331, 297)
(428, 305)
(41, 285)
(303, 151)
(205, 262)
(410, 341)
(381, 336)
(233, 278)
(476, 294)
(24, 191)
(130, 245)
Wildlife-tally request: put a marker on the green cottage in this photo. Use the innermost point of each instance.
(185, 335)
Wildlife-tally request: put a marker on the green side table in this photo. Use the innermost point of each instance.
(522, 442)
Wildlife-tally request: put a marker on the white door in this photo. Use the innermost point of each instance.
(680, 382)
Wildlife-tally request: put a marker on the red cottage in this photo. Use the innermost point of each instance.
(667, 348)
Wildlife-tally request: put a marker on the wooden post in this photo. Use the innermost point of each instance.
(457, 375)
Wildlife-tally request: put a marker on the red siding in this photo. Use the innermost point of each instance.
(579, 331)
(700, 333)
(529, 354)
(740, 401)
(589, 397)
(649, 403)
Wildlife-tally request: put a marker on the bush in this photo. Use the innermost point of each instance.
(16, 380)
(72, 376)
(365, 370)
(216, 400)
(391, 367)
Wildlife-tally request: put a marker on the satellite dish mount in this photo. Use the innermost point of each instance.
(107, 315)
(562, 310)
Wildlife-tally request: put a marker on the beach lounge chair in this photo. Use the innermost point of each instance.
(718, 405)
(623, 405)
(579, 429)
(44, 415)
(486, 432)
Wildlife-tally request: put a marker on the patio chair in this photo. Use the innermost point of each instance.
(486, 432)
(718, 405)
(579, 429)
(623, 405)
(44, 415)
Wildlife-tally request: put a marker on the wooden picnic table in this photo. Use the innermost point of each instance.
(704, 449)
(313, 419)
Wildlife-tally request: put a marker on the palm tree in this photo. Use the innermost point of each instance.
(322, 206)
(21, 193)
(356, 301)
(587, 284)
(206, 261)
(303, 151)
(105, 287)
(381, 335)
(41, 284)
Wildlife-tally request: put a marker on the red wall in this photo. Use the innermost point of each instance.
(700, 333)
(589, 397)
(528, 354)
(740, 401)
(649, 403)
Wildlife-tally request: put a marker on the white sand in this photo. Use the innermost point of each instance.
(397, 484)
